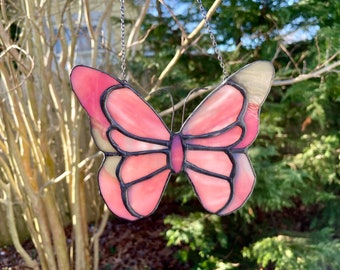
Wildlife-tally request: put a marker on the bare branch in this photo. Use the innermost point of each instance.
(180, 104)
(135, 29)
(96, 237)
(143, 38)
(283, 48)
(180, 26)
(185, 45)
(303, 77)
(8, 50)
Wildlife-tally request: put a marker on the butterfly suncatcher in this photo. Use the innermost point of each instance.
(141, 153)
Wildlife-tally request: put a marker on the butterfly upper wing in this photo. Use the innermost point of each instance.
(256, 79)
(88, 84)
(216, 137)
(133, 138)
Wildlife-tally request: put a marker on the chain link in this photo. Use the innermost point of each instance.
(212, 38)
(122, 39)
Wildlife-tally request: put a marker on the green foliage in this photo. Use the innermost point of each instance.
(315, 251)
(321, 158)
(291, 221)
(202, 235)
(277, 182)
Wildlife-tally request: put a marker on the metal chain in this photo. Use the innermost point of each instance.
(212, 38)
(122, 39)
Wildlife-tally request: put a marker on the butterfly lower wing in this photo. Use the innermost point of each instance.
(222, 128)
(243, 183)
(136, 189)
(110, 188)
(210, 173)
(223, 184)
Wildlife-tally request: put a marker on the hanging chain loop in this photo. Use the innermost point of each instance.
(212, 38)
(122, 39)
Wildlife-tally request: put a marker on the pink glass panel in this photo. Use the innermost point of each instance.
(176, 154)
(213, 161)
(99, 136)
(135, 167)
(134, 115)
(145, 196)
(131, 145)
(244, 182)
(223, 140)
(251, 120)
(110, 189)
(220, 109)
(88, 84)
(213, 192)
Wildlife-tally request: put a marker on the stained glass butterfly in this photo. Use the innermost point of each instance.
(141, 153)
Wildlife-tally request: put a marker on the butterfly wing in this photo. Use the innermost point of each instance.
(88, 84)
(133, 138)
(256, 79)
(216, 136)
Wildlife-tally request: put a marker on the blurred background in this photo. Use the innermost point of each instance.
(52, 216)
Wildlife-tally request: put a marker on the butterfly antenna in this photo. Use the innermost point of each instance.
(173, 108)
(172, 104)
(191, 96)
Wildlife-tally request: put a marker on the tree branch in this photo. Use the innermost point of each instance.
(185, 45)
(303, 77)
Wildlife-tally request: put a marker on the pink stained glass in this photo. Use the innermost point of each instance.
(251, 120)
(89, 84)
(219, 110)
(144, 197)
(243, 184)
(134, 115)
(99, 135)
(212, 161)
(110, 189)
(129, 144)
(176, 154)
(136, 167)
(224, 139)
(213, 192)
(141, 152)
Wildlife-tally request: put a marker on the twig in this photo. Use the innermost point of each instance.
(68, 172)
(184, 101)
(13, 228)
(143, 38)
(310, 75)
(180, 26)
(96, 237)
(8, 49)
(283, 48)
(185, 45)
(135, 29)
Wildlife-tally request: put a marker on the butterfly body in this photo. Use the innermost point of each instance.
(141, 153)
(176, 153)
